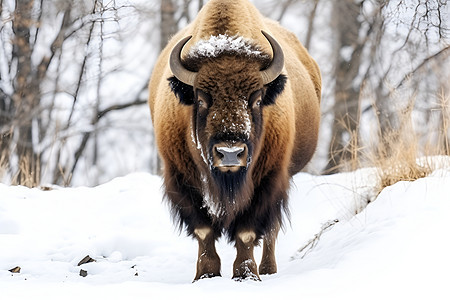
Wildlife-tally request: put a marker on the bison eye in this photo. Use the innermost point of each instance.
(256, 99)
(203, 99)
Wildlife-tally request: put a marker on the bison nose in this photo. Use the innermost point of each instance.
(230, 157)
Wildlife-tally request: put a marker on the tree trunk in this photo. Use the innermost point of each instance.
(346, 108)
(168, 27)
(26, 95)
(168, 23)
(6, 112)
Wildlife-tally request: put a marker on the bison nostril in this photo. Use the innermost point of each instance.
(230, 156)
(218, 153)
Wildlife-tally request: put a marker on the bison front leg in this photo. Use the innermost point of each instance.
(245, 266)
(268, 261)
(208, 262)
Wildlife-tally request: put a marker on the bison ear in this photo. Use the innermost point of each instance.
(273, 89)
(183, 91)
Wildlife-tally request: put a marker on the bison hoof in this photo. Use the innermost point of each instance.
(247, 276)
(267, 269)
(205, 276)
(246, 270)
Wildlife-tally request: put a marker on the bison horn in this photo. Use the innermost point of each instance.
(176, 66)
(276, 66)
(188, 77)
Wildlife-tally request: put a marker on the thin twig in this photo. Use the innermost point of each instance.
(315, 240)
(423, 63)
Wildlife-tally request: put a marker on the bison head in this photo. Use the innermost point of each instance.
(228, 89)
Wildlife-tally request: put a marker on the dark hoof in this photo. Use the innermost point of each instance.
(267, 269)
(205, 276)
(245, 277)
(247, 270)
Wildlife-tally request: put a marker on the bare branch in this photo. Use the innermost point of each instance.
(284, 6)
(442, 52)
(56, 45)
(115, 107)
(315, 240)
(311, 19)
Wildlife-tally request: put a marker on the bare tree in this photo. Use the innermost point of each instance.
(373, 62)
(311, 18)
(348, 48)
(50, 51)
(169, 24)
(175, 14)
(21, 107)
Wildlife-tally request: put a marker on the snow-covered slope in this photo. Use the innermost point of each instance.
(396, 248)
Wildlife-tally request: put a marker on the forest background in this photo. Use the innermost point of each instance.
(74, 74)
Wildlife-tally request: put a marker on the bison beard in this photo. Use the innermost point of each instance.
(232, 195)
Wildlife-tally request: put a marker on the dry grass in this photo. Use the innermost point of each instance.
(3, 166)
(400, 164)
(403, 154)
(408, 156)
(28, 174)
(23, 175)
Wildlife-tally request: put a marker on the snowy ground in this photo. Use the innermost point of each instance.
(396, 248)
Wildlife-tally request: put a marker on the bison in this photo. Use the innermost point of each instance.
(234, 100)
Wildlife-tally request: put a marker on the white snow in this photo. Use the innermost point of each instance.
(395, 248)
(196, 141)
(214, 209)
(216, 45)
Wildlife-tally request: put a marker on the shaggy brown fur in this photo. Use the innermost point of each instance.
(190, 120)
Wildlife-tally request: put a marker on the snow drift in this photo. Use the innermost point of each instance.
(395, 247)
